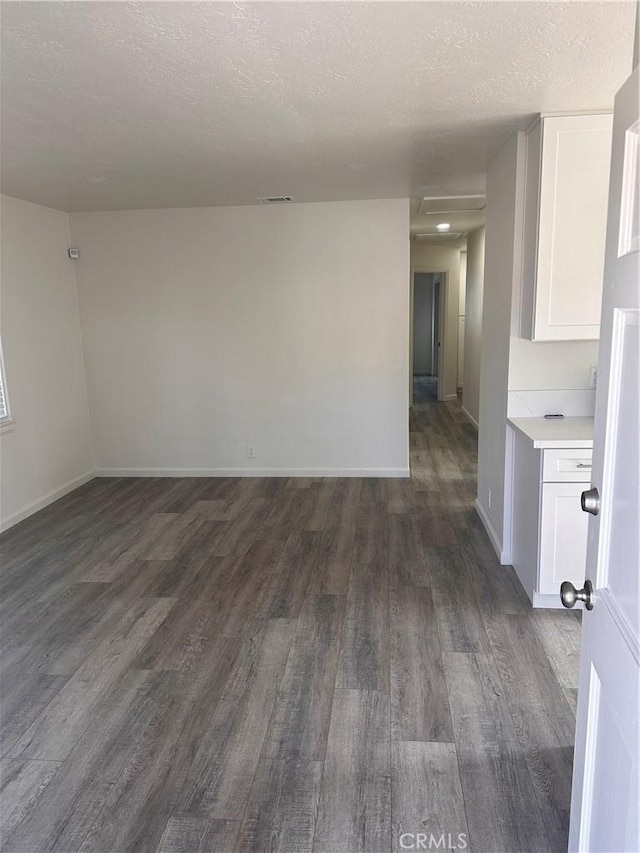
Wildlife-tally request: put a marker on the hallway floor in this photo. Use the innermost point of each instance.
(425, 389)
(284, 665)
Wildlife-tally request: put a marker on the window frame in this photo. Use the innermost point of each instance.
(7, 421)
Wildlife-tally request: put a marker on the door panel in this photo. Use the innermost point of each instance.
(605, 807)
(624, 529)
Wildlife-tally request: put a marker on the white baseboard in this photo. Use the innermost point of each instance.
(49, 498)
(253, 472)
(549, 601)
(503, 555)
(469, 417)
(451, 397)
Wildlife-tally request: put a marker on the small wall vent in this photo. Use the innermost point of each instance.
(276, 199)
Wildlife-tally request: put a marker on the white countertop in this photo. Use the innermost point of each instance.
(561, 433)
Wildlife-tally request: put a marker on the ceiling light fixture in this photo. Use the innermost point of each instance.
(356, 167)
(443, 226)
(276, 199)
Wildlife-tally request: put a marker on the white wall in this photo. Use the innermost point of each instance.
(473, 323)
(563, 365)
(462, 292)
(286, 328)
(48, 450)
(462, 297)
(432, 258)
(422, 323)
(502, 260)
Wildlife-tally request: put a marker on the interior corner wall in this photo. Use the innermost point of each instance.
(281, 328)
(473, 323)
(430, 258)
(501, 269)
(46, 452)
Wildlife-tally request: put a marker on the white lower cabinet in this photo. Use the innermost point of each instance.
(549, 536)
(563, 537)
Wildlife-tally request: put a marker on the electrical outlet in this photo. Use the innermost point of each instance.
(251, 451)
(594, 377)
(489, 498)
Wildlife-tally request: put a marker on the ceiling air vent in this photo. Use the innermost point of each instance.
(450, 203)
(276, 199)
(440, 235)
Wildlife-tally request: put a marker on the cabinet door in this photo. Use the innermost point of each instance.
(574, 188)
(563, 536)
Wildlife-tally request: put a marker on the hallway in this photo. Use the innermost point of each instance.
(281, 664)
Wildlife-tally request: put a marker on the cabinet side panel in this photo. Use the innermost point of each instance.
(526, 513)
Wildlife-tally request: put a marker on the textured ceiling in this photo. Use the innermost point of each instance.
(128, 105)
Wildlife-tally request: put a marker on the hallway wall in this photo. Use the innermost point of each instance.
(462, 298)
(502, 262)
(473, 323)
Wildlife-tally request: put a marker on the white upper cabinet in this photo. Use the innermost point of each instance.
(565, 218)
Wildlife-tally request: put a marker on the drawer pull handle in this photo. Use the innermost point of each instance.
(582, 465)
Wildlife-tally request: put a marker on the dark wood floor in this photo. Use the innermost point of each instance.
(425, 389)
(272, 664)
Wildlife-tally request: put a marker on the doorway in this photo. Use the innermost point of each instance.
(427, 336)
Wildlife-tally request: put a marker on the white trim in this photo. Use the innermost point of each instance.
(620, 620)
(253, 472)
(470, 417)
(451, 397)
(7, 419)
(503, 556)
(49, 498)
(550, 602)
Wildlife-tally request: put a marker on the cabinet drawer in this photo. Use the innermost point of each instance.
(567, 466)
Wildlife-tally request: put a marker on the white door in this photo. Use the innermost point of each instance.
(605, 809)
